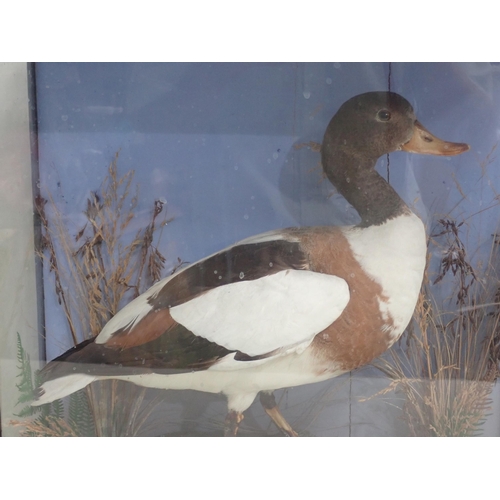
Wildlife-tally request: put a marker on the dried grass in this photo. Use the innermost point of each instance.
(47, 427)
(95, 274)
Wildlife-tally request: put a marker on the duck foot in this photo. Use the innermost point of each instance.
(232, 423)
(269, 403)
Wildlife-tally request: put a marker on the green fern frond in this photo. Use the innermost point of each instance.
(80, 416)
(57, 409)
(25, 385)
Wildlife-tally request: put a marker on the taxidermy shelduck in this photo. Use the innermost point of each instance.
(285, 308)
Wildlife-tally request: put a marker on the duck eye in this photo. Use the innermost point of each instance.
(383, 115)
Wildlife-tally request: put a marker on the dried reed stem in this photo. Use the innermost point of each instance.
(95, 275)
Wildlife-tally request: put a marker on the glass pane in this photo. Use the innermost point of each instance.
(201, 156)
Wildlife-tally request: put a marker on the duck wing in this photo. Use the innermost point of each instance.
(252, 299)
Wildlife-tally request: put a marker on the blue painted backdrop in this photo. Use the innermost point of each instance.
(220, 144)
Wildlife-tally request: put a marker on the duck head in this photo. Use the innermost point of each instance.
(366, 127)
(376, 123)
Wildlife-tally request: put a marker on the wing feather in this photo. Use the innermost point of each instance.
(260, 316)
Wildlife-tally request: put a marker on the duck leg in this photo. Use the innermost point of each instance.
(232, 423)
(269, 403)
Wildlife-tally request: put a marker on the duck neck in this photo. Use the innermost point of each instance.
(358, 182)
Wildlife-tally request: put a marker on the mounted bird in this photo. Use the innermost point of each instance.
(285, 308)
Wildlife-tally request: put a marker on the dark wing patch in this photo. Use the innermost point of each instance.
(179, 351)
(249, 261)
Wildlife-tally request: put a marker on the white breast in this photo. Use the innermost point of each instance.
(394, 255)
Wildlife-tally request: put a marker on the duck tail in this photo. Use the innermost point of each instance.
(60, 387)
(64, 375)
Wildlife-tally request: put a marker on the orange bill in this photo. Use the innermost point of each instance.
(423, 142)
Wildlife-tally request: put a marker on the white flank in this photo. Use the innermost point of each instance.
(242, 385)
(62, 387)
(393, 254)
(259, 316)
